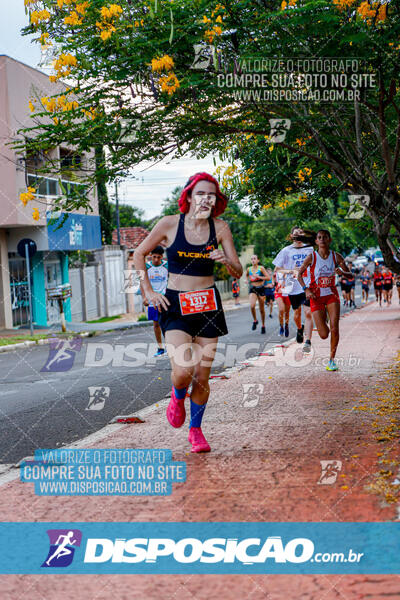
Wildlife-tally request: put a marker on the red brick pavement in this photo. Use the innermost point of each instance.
(264, 466)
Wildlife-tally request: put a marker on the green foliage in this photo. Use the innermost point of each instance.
(346, 145)
(170, 204)
(129, 216)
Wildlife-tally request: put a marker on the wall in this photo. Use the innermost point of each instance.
(97, 288)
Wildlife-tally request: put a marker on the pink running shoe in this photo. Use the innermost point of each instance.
(176, 413)
(198, 441)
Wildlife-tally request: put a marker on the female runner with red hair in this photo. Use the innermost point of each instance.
(191, 313)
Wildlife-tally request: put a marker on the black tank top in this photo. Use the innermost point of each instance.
(191, 259)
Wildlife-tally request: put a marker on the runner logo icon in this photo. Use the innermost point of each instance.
(329, 471)
(62, 547)
(62, 355)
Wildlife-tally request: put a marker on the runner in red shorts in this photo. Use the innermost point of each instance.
(283, 303)
(378, 284)
(322, 291)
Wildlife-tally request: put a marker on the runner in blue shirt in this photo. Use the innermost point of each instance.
(158, 275)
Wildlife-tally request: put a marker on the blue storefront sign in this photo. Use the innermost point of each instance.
(77, 232)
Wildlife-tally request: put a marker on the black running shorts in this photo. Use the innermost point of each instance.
(259, 291)
(297, 300)
(209, 324)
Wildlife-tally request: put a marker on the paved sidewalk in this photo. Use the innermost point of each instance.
(264, 466)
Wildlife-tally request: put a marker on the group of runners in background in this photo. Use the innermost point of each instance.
(281, 285)
(303, 279)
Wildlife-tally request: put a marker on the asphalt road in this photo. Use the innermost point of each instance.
(41, 407)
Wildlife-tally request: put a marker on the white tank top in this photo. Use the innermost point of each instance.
(322, 274)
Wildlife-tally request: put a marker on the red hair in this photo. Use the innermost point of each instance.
(222, 200)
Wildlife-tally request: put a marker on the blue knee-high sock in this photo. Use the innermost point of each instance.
(196, 413)
(181, 393)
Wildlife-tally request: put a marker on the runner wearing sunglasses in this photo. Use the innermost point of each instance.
(191, 313)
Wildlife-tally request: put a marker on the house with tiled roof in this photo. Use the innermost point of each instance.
(130, 237)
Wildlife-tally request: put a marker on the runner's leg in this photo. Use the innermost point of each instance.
(282, 310)
(158, 334)
(320, 323)
(179, 350)
(334, 314)
(261, 304)
(308, 324)
(253, 302)
(204, 353)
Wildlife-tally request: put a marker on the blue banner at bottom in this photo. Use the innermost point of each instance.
(208, 548)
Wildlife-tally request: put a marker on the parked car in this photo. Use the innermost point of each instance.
(378, 258)
(370, 253)
(360, 262)
(352, 255)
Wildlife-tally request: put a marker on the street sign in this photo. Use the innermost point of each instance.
(32, 248)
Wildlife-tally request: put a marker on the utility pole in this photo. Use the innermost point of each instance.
(117, 213)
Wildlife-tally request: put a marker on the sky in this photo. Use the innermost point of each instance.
(158, 180)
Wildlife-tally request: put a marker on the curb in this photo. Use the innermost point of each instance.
(41, 342)
(83, 334)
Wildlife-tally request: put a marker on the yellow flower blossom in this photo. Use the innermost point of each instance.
(73, 19)
(271, 148)
(169, 83)
(218, 19)
(37, 16)
(114, 10)
(342, 4)
(81, 8)
(267, 206)
(165, 62)
(43, 39)
(35, 214)
(218, 29)
(31, 106)
(206, 20)
(105, 35)
(283, 5)
(26, 197)
(209, 35)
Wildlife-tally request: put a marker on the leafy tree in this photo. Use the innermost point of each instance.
(170, 204)
(137, 88)
(129, 216)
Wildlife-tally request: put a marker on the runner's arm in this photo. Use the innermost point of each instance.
(264, 272)
(228, 255)
(342, 268)
(156, 236)
(283, 270)
(307, 263)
